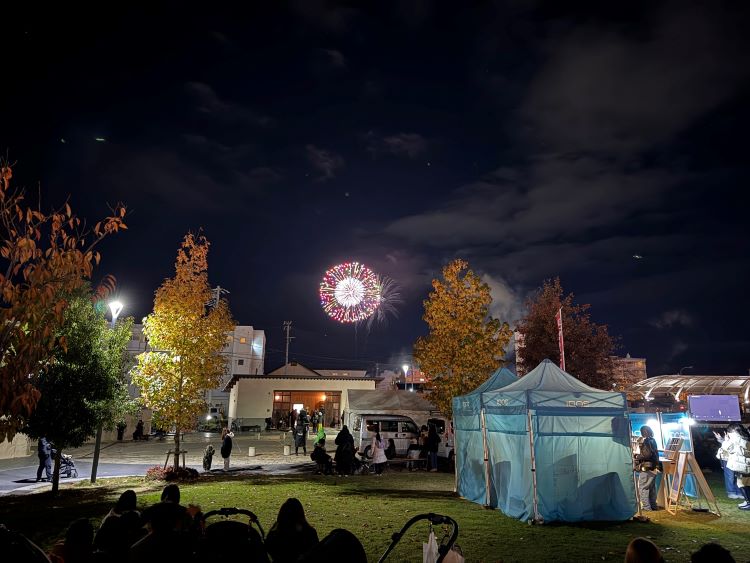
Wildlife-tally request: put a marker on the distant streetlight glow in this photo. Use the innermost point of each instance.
(406, 371)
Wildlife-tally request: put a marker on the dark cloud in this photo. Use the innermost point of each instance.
(208, 102)
(669, 319)
(409, 145)
(324, 161)
(553, 197)
(335, 58)
(324, 15)
(604, 89)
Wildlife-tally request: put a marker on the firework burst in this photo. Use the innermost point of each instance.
(350, 292)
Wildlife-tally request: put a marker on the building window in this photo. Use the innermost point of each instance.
(240, 362)
(243, 340)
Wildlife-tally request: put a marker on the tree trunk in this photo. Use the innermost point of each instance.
(97, 450)
(56, 473)
(177, 449)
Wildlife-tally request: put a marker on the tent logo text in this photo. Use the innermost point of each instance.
(578, 403)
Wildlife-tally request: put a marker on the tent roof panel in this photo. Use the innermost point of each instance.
(385, 400)
(499, 379)
(548, 377)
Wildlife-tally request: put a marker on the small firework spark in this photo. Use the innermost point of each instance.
(390, 298)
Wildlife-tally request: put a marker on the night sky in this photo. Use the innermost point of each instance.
(533, 139)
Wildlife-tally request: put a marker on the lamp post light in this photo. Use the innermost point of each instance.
(115, 307)
(406, 370)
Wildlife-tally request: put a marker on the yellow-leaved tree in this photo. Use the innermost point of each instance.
(186, 337)
(465, 344)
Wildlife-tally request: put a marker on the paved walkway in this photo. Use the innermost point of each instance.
(133, 458)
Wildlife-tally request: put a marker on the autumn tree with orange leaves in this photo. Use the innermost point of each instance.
(465, 344)
(44, 257)
(186, 337)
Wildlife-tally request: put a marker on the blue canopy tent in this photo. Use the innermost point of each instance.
(470, 442)
(556, 449)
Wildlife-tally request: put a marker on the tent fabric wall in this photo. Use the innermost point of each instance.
(469, 440)
(581, 444)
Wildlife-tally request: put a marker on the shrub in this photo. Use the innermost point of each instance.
(181, 474)
(158, 473)
(155, 473)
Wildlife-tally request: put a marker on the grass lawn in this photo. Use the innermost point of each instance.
(373, 508)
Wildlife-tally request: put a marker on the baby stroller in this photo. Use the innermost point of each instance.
(68, 466)
(360, 465)
(435, 520)
(224, 539)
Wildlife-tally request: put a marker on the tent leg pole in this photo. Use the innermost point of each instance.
(533, 464)
(486, 459)
(455, 456)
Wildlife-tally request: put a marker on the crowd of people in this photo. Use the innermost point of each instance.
(642, 550)
(375, 457)
(168, 531)
(734, 454)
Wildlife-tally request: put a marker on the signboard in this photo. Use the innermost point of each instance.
(719, 408)
(677, 479)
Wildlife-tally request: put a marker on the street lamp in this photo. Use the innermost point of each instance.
(115, 307)
(406, 370)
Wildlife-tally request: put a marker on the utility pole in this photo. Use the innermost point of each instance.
(287, 328)
(216, 294)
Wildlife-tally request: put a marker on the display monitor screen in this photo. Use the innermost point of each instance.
(714, 407)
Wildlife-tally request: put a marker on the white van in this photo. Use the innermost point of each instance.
(401, 428)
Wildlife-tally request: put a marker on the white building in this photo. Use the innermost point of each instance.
(245, 351)
(255, 397)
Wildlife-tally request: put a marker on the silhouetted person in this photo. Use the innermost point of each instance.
(390, 451)
(322, 459)
(300, 437)
(647, 461)
(291, 535)
(338, 546)
(344, 456)
(712, 553)
(78, 546)
(121, 527)
(44, 451)
(138, 434)
(641, 550)
(226, 446)
(432, 444)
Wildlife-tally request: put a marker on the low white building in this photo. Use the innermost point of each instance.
(245, 351)
(254, 397)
